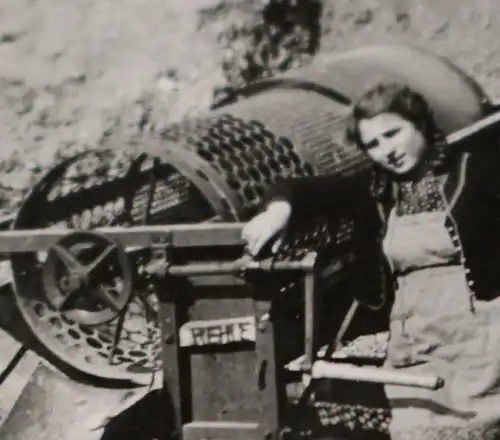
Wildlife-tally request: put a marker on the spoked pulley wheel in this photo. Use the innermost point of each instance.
(88, 278)
(88, 301)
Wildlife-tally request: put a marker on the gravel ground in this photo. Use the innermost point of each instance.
(72, 71)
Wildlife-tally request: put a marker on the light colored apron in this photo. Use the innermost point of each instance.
(433, 330)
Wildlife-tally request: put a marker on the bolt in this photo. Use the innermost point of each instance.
(70, 283)
(262, 324)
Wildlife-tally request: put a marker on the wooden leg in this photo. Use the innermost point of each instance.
(270, 370)
(175, 370)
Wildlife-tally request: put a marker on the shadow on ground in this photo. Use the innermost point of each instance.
(52, 407)
(148, 419)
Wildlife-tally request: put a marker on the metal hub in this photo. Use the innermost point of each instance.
(87, 277)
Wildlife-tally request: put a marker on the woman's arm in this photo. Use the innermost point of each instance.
(321, 195)
(292, 202)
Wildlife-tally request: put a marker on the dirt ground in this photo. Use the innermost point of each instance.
(71, 71)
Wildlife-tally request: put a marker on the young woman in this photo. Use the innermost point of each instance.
(440, 208)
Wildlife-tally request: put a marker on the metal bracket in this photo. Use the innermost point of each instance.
(159, 258)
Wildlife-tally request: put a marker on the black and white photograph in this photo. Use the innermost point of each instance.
(249, 220)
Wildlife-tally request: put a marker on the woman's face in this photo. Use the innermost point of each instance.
(393, 142)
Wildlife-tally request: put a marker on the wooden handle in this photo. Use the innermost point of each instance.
(323, 369)
(474, 128)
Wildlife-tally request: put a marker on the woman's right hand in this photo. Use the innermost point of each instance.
(265, 226)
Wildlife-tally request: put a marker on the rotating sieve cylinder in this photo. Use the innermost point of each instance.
(294, 125)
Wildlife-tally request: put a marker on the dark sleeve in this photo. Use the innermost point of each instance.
(486, 165)
(321, 195)
(494, 174)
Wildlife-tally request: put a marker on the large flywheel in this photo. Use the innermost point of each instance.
(88, 301)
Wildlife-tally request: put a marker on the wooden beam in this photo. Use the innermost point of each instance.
(187, 235)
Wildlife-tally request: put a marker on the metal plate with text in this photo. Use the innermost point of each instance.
(218, 332)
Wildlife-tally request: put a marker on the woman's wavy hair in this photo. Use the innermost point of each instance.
(397, 98)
